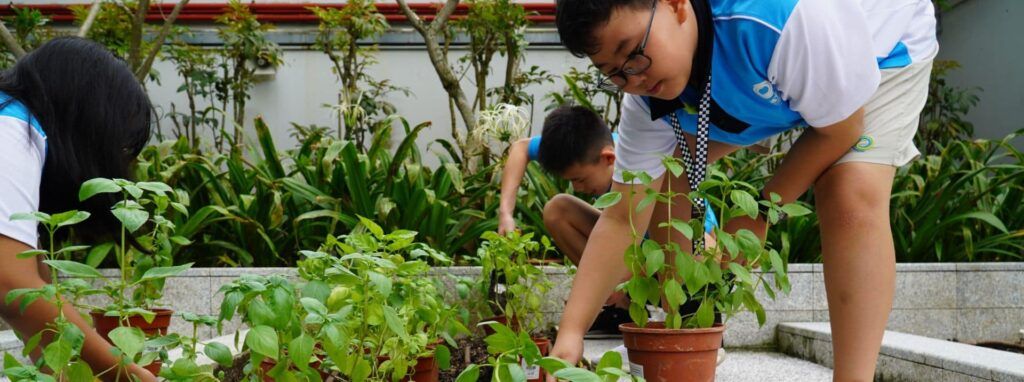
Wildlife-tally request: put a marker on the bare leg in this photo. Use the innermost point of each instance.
(860, 266)
(570, 220)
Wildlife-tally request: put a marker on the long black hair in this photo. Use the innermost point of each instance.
(96, 117)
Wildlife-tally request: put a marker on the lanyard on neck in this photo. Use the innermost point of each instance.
(696, 160)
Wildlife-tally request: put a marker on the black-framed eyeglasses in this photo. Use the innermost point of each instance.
(636, 63)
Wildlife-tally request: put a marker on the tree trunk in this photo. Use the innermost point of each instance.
(449, 81)
(11, 42)
(135, 42)
(94, 11)
(143, 70)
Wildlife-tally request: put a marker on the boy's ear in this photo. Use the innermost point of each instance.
(608, 155)
(679, 8)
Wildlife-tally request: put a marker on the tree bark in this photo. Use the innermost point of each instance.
(444, 71)
(143, 70)
(135, 44)
(11, 42)
(94, 11)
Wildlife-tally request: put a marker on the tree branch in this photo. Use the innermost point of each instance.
(442, 16)
(437, 57)
(135, 44)
(94, 11)
(413, 18)
(11, 42)
(143, 70)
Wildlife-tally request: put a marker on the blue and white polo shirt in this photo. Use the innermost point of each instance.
(778, 65)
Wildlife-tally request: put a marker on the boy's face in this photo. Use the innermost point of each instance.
(670, 47)
(593, 178)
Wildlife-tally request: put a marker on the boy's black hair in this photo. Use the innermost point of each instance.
(572, 135)
(577, 20)
(96, 117)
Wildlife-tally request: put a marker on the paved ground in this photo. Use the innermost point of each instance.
(745, 365)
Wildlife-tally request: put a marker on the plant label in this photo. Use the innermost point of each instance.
(636, 369)
(532, 372)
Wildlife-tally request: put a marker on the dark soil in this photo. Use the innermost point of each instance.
(472, 349)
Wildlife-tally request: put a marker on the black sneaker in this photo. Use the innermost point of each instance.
(607, 322)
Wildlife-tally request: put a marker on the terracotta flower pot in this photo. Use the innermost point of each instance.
(105, 324)
(536, 373)
(663, 355)
(426, 369)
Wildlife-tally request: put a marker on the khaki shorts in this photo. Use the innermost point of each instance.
(891, 119)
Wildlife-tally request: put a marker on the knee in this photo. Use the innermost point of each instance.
(851, 205)
(554, 209)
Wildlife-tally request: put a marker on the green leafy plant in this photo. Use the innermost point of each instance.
(246, 48)
(30, 30)
(382, 314)
(510, 351)
(62, 355)
(271, 307)
(608, 369)
(121, 26)
(360, 106)
(961, 205)
(514, 286)
(721, 277)
(581, 89)
(144, 256)
(197, 67)
(186, 368)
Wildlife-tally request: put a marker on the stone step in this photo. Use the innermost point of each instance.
(908, 357)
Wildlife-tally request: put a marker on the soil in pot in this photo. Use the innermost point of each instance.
(663, 355)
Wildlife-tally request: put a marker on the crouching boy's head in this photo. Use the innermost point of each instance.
(578, 146)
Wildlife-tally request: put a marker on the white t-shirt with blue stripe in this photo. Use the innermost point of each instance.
(782, 64)
(22, 154)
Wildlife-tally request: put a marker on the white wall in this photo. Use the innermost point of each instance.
(304, 83)
(985, 37)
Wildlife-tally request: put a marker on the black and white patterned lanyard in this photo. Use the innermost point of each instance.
(697, 165)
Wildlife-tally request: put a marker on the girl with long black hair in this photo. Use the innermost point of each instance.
(70, 111)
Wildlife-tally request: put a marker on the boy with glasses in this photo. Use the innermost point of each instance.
(704, 78)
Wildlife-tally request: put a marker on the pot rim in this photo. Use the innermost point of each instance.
(658, 327)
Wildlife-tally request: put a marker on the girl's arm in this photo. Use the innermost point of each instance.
(18, 273)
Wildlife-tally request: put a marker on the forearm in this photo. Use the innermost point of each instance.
(512, 176)
(812, 154)
(41, 313)
(602, 266)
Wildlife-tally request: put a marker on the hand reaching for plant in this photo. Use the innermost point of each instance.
(506, 224)
(143, 375)
(567, 348)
